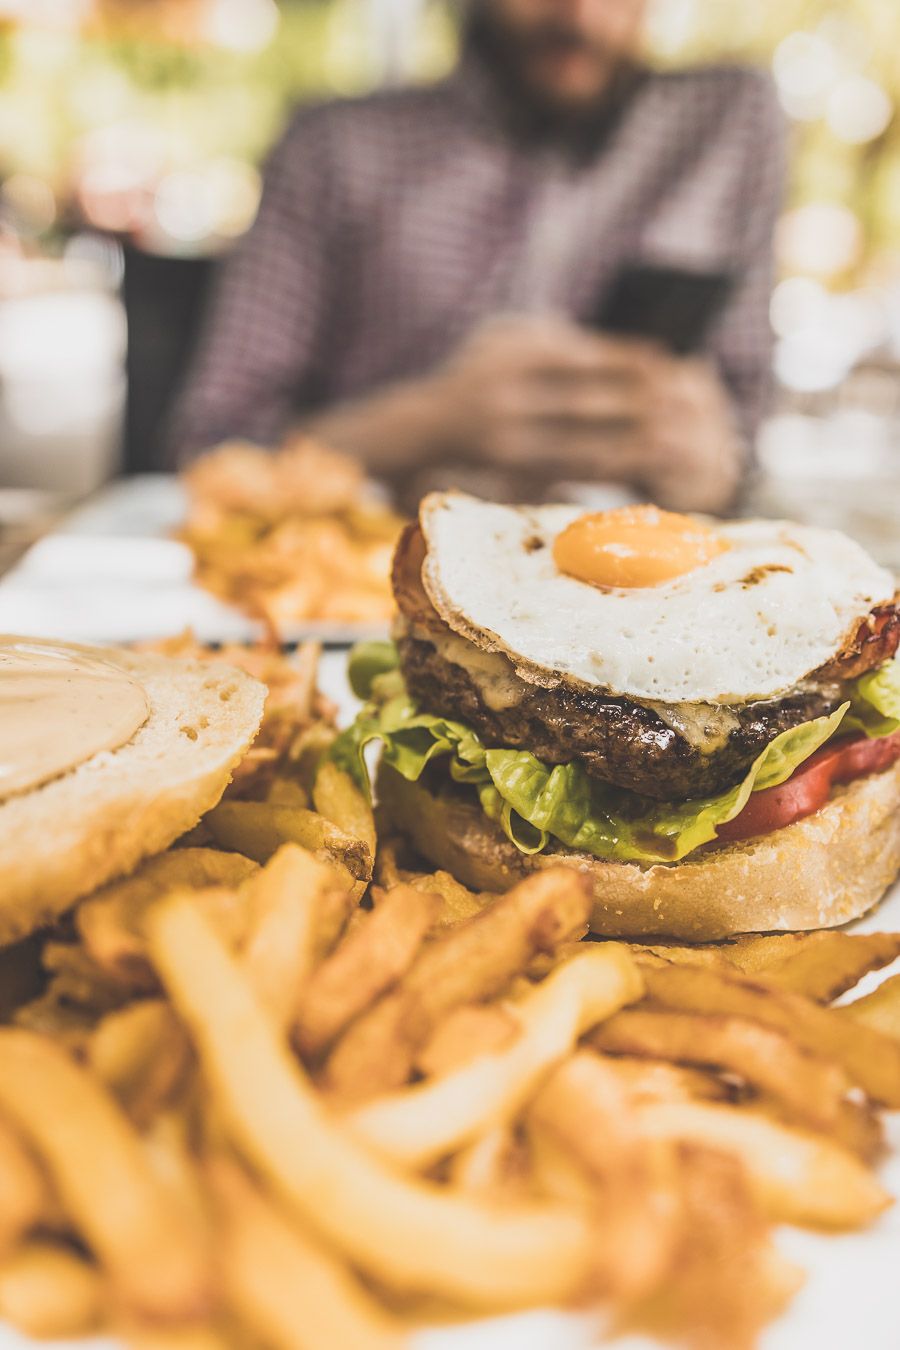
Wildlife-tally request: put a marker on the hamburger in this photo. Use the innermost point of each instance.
(702, 717)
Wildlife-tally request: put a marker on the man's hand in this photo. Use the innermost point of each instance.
(544, 397)
(542, 400)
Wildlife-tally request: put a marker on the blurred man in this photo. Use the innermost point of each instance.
(422, 282)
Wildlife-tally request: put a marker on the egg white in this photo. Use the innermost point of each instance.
(748, 625)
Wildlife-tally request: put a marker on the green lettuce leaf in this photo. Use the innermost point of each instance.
(534, 802)
(368, 662)
(875, 702)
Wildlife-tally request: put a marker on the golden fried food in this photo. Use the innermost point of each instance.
(800, 1177)
(870, 1059)
(284, 1284)
(371, 958)
(810, 1089)
(879, 1010)
(93, 1153)
(468, 964)
(821, 965)
(419, 1125)
(409, 1233)
(290, 536)
(47, 1290)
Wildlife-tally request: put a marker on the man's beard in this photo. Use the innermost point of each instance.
(537, 111)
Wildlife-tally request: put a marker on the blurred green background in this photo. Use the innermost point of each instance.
(131, 135)
(150, 116)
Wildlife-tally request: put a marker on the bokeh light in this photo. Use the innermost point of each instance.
(806, 67)
(858, 110)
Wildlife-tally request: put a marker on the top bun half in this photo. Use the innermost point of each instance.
(60, 841)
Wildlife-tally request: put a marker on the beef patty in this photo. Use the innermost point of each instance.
(616, 741)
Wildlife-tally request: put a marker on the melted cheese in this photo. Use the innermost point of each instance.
(705, 726)
(490, 672)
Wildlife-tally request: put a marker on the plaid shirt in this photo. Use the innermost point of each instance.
(391, 224)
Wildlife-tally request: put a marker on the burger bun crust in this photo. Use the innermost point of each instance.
(820, 872)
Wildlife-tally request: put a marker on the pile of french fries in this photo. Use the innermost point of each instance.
(290, 536)
(281, 1089)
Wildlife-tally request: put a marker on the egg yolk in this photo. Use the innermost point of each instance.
(634, 546)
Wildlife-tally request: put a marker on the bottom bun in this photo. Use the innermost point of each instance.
(822, 871)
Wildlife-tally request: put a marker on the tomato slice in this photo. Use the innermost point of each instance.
(808, 789)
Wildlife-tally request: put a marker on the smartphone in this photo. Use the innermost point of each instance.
(669, 305)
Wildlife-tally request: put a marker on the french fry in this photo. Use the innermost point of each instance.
(544, 962)
(338, 799)
(820, 964)
(307, 750)
(193, 1336)
(24, 1190)
(369, 960)
(582, 1132)
(337, 909)
(869, 1058)
(652, 1080)
(330, 897)
(258, 829)
(410, 1234)
(77, 994)
(52, 1015)
(285, 897)
(279, 1281)
(48, 1290)
(101, 1175)
(879, 1011)
(458, 903)
(141, 1054)
(680, 954)
(721, 1230)
(856, 1127)
(472, 1030)
(799, 1177)
(469, 963)
(170, 1149)
(303, 685)
(557, 1172)
(418, 1125)
(388, 870)
(494, 1165)
(811, 1089)
(287, 792)
(110, 921)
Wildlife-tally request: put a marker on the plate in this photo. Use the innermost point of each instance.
(111, 573)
